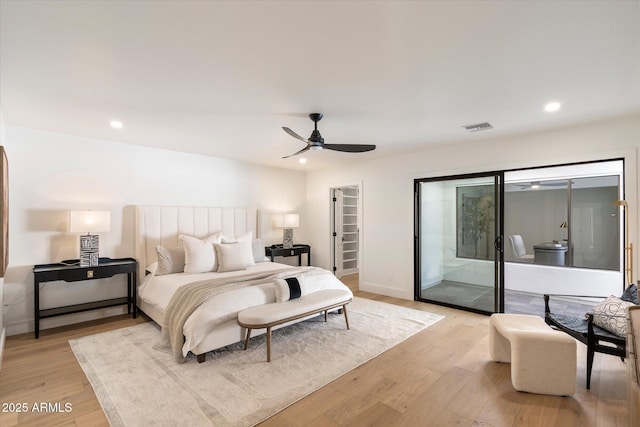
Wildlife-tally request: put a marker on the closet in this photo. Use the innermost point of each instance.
(345, 230)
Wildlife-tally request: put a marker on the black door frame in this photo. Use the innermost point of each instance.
(498, 243)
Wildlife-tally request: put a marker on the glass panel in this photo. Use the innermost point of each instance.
(594, 223)
(536, 221)
(475, 207)
(457, 223)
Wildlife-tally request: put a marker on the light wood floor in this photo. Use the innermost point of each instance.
(441, 376)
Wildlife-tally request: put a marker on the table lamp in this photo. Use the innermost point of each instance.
(89, 222)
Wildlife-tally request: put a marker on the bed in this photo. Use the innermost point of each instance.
(213, 324)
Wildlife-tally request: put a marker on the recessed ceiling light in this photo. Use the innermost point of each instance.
(552, 107)
(116, 124)
(302, 160)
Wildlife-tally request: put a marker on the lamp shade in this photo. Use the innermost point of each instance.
(291, 221)
(89, 221)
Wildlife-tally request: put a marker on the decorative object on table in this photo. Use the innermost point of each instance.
(290, 221)
(89, 222)
(628, 249)
(4, 209)
(316, 141)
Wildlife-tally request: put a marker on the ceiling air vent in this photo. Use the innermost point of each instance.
(478, 127)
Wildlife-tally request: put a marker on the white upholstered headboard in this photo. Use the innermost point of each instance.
(162, 225)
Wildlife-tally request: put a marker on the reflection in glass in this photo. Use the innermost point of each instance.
(594, 223)
(587, 237)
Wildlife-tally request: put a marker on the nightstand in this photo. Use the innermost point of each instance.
(278, 250)
(70, 271)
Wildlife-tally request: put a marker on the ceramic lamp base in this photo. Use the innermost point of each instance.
(287, 238)
(89, 245)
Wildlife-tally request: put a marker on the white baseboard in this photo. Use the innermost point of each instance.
(385, 290)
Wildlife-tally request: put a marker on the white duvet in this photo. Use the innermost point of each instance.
(158, 290)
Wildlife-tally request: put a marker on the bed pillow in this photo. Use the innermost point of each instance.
(611, 314)
(199, 255)
(233, 256)
(257, 248)
(290, 288)
(246, 237)
(170, 260)
(630, 294)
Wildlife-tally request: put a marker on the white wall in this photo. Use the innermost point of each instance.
(387, 251)
(51, 173)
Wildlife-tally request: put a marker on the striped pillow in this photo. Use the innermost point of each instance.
(289, 288)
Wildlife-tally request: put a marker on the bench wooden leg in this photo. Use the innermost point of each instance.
(346, 319)
(246, 340)
(325, 315)
(269, 344)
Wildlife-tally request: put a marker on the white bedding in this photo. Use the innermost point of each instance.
(158, 290)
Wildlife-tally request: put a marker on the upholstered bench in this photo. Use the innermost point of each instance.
(542, 360)
(270, 315)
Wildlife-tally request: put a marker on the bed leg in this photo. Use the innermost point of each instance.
(246, 341)
(346, 319)
(201, 357)
(269, 344)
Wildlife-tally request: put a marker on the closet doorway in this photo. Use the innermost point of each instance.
(345, 229)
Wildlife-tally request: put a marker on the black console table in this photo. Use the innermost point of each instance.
(278, 250)
(70, 271)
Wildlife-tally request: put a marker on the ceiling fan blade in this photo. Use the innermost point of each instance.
(350, 148)
(295, 154)
(295, 135)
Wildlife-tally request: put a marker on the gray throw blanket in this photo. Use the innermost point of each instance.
(189, 297)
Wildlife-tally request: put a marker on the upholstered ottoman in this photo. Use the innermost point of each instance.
(542, 360)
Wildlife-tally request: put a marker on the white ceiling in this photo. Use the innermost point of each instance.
(221, 78)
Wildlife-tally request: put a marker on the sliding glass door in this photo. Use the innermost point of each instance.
(458, 243)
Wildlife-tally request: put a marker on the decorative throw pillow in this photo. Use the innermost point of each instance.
(246, 237)
(289, 288)
(630, 294)
(170, 260)
(199, 256)
(610, 315)
(233, 256)
(257, 248)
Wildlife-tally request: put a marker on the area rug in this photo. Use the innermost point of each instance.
(139, 386)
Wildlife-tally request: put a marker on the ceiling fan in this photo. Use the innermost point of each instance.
(316, 141)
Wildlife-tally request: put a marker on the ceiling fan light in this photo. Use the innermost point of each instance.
(316, 147)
